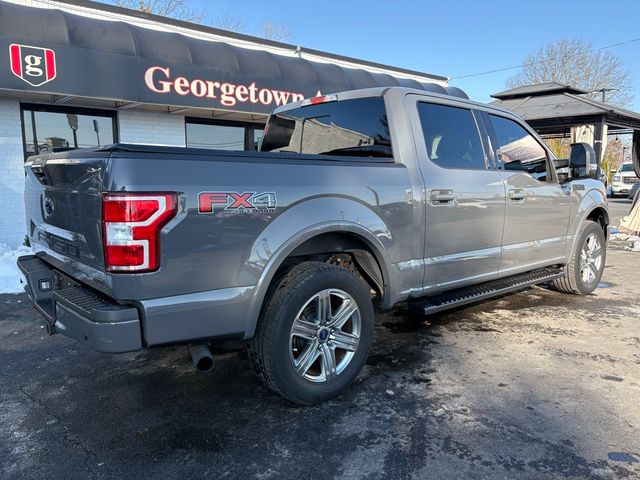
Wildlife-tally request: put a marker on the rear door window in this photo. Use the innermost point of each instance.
(356, 127)
(451, 136)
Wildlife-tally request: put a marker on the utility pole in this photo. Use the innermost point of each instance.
(604, 92)
(72, 120)
(96, 128)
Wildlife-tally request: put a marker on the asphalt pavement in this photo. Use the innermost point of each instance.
(535, 385)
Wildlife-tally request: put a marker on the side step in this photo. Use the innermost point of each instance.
(475, 293)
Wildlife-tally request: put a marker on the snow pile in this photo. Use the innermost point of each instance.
(9, 274)
(625, 237)
(634, 247)
(634, 240)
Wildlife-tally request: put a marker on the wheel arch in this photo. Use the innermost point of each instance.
(343, 238)
(593, 206)
(601, 216)
(303, 229)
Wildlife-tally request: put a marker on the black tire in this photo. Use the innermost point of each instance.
(271, 349)
(572, 281)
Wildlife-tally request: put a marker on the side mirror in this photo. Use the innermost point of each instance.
(583, 162)
(562, 169)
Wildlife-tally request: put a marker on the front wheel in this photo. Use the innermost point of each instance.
(585, 268)
(315, 333)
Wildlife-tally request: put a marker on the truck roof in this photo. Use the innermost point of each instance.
(438, 91)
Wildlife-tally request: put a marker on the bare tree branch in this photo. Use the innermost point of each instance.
(574, 62)
(230, 22)
(278, 32)
(178, 9)
(182, 10)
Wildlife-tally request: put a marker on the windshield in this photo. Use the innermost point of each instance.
(627, 167)
(357, 127)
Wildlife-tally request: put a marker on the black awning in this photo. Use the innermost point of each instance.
(51, 51)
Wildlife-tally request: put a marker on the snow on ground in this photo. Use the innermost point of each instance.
(9, 273)
(633, 241)
(634, 247)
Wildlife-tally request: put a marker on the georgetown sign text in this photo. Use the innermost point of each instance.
(159, 80)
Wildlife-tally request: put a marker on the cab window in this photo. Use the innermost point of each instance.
(517, 149)
(357, 127)
(451, 137)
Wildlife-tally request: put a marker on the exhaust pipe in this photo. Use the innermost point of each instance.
(201, 357)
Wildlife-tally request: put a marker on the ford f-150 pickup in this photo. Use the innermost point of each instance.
(356, 202)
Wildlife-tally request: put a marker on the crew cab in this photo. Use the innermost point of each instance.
(356, 202)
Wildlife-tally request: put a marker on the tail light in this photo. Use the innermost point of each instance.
(131, 224)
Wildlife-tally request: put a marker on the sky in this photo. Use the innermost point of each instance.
(448, 38)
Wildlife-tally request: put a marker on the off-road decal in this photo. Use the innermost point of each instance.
(246, 202)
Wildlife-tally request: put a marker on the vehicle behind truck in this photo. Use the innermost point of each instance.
(356, 202)
(623, 179)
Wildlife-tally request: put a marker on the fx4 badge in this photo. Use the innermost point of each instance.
(247, 202)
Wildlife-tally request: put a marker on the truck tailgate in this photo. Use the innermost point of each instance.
(63, 204)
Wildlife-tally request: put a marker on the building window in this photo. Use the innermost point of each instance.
(48, 129)
(202, 133)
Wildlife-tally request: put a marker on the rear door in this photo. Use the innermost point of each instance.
(538, 207)
(465, 196)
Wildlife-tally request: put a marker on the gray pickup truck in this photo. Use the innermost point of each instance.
(356, 202)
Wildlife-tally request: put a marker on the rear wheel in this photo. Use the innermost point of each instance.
(584, 271)
(315, 334)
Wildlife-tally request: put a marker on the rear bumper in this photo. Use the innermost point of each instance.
(74, 311)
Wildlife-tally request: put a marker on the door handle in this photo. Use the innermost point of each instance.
(442, 197)
(516, 195)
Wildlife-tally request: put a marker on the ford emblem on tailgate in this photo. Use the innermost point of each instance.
(47, 204)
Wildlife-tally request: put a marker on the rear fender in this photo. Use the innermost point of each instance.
(300, 223)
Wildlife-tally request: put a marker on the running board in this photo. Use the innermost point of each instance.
(494, 288)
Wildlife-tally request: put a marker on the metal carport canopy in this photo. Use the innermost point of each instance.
(552, 109)
(91, 58)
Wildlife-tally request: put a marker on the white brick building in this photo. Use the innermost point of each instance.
(12, 229)
(75, 73)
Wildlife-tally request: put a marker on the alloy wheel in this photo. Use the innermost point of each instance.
(590, 259)
(325, 335)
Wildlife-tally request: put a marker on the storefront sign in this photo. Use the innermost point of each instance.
(34, 65)
(65, 70)
(58, 53)
(160, 80)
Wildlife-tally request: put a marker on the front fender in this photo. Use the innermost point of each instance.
(593, 197)
(298, 224)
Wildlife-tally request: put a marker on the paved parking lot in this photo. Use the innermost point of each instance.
(535, 385)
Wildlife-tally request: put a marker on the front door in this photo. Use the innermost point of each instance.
(465, 198)
(538, 208)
